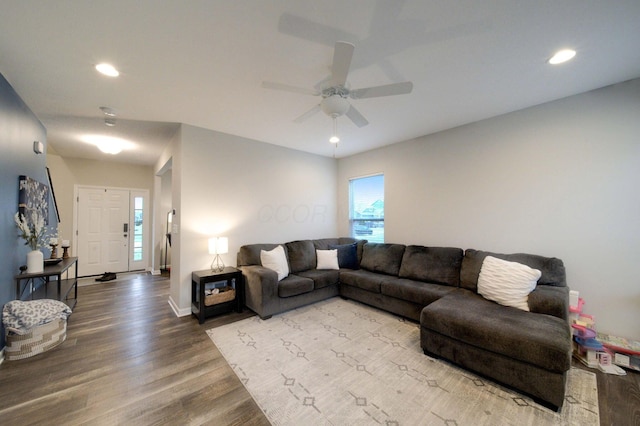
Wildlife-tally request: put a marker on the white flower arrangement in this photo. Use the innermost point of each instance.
(34, 232)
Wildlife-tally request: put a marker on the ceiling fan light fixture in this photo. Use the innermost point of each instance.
(335, 105)
(335, 97)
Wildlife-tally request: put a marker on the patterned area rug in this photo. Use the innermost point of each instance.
(339, 362)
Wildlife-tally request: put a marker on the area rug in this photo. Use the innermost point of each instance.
(339, 362)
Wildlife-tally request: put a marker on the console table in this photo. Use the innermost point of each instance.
(49, 283)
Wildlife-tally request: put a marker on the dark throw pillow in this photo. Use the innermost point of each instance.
(347, 255)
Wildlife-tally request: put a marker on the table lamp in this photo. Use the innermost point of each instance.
(218, 246)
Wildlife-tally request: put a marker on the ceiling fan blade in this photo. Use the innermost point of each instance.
(341, 62)
(386, 90)
(308, 114)
(357, 118)
(310, 30)
(288, 88)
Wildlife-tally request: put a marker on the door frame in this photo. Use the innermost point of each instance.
(146, 224)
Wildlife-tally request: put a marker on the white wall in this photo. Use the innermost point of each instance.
(560, 180)
(248, 191)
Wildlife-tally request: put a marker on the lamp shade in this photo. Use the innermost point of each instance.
(218, 245)
(223, 245)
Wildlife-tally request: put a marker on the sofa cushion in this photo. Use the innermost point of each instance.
(275, 260)
(325, 243)
(250, 254)
(359, 245)
(365, 280)
(321, 278)
(507, 283)
(537, 339)
(552, 269)
(417, 292)
(294, 285)
(550, 300)
(384, 258)
(327, 259)
(347, 255)
(302, 255)
(440, 265)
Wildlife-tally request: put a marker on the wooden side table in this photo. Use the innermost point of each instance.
(207, 280)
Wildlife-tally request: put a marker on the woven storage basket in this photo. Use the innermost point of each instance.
(39, 339)
(226, 294)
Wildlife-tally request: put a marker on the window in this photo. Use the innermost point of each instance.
(366, 208)
(137, 228)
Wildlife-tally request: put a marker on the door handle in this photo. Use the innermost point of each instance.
(125, 227)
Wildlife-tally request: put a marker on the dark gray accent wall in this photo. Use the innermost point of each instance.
(19, 128)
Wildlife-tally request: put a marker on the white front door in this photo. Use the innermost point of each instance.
(103, 231)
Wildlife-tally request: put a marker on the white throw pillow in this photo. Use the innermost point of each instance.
(327, 259)
(276, 260)
(507, 283)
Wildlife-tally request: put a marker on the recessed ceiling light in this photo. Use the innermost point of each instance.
(107, 69)
(562, 56)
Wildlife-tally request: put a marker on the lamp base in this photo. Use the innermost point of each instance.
(217, 265)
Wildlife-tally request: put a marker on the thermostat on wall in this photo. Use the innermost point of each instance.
(38, 147)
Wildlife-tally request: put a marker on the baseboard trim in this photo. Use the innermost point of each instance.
(176, 310)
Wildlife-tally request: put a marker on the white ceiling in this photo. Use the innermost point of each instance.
(202, 63)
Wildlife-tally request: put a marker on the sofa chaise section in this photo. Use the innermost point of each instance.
(528, 350)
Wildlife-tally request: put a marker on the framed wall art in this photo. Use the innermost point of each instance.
(33, 199)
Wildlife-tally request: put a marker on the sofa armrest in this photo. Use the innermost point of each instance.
(261, 288)
(550, 300)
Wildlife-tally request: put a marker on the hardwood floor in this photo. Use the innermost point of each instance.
(129, 360)
(619, 398)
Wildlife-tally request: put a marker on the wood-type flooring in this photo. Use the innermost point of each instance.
(129, 360)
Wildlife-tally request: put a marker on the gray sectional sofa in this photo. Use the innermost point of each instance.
(438, 287)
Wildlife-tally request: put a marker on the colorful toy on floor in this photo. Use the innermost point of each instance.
(587, 348)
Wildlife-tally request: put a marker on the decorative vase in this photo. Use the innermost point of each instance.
(35, 262)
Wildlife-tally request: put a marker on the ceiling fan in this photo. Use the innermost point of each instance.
(334, 101)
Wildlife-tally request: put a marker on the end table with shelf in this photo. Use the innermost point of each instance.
(229, 279)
